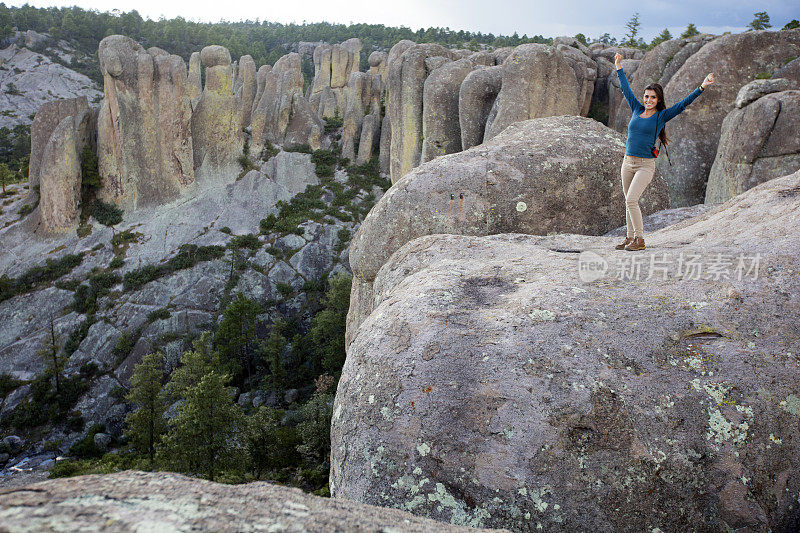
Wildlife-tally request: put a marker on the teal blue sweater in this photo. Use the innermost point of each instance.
(642, 131)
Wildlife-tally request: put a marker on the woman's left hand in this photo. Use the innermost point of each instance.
(709, 80)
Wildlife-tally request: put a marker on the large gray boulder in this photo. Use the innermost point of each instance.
(476, 97)
(49, 115)
(538, 81)
(759, 141)
(492, 386)
(162, 501)
(384, 152)
(60, 165)
(441, 131)
(735, 60)
(406, 75)
(261, 81)
(283, 115)
(333, 67)
(357, 97)
(521, 181)
(585, 70)
(194, 81)
(247, 76)
(217, 120)
(369, 142)
(145, 141)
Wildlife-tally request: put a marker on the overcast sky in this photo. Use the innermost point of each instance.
(543, 17)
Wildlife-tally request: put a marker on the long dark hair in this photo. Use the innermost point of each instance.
(659, 107)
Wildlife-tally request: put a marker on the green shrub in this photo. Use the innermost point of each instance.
(208, 253)
(8, 383)
(106, 214)
(366, 175)
(302, 148)
(46, 405)
(246, 165)
(269, 151)
(124, 345)
(38, 275)
(86, 448)
(325, 162)
(333, 123)
(85, 297)
(158, 314)
(225, 229)
(763, 76)
(77, 335)
(245, 241)
(84, 230)
(284, 288)
(89, 369)
(275, 251)
(267, 224)
(90, 173)
(117, 262)
(187, 256)
(135, 279)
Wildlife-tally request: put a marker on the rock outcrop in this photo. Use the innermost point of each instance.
(759, 139)
(476, 97)
(283, 115)
(247, 87)
(441, 131)
(735, 59)
(522, 180)
(333, 67)
(217, 119)
(409, 65)
(161, 501)
(194, 83)
(537, 81)
(493, 386)
(49, 115)
(60, 171)
(145, 141)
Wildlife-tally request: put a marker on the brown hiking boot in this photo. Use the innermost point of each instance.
(637, 244)
(628, 240)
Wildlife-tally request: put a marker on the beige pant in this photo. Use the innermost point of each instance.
(637, 173)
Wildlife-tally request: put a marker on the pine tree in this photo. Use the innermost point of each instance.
(55, 360)
(690, 31)
(146, 423)
(760, 22)
(272, 357)
(328, 326)
(633, 30)
(5, 175)
(205, 436)
(662, 37)
(195, 364)
(235, 337)
(265, 448)
(315, 429)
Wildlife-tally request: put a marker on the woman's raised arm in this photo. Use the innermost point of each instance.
(675, 110)
(633, 103)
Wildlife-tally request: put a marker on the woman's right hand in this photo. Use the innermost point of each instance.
(618, 60)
